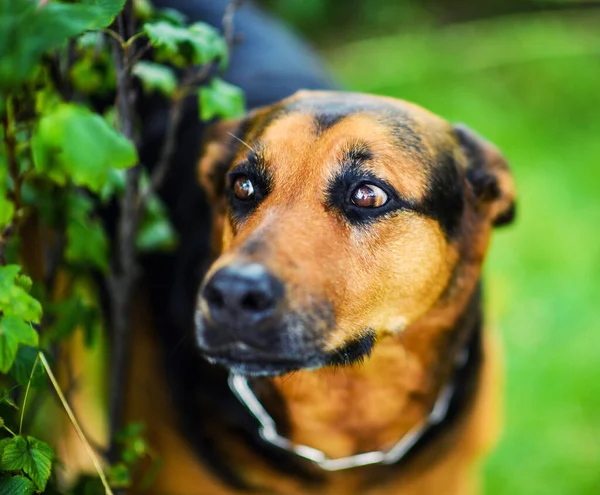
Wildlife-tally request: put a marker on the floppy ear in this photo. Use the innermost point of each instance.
(489, 175)
(220, 147)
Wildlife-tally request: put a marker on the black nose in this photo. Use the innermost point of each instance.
(242, 295)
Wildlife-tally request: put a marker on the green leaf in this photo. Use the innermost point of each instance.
(27, 32)
(156, 232)
(156, 77)
(119, 476)
(85, 76)
(143, 9)
(180, 46)
(3, 443)
(68, 315)
(33, 456)
(14, 332)
(87, 242)
(24, 282)
(220, 99)
(107, 10)
(74, 143)
(14, 300)
(15, 454)
(7, 208)
(23, 365)
(116, 182)
(93, 71)
(172, 16)
(16, 485)
(41, 462)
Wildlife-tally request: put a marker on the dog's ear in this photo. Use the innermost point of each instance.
(489, 175)
(219, 149)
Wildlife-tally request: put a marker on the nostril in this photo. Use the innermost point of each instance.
(246, 293)
(214, 297)
(256, 301)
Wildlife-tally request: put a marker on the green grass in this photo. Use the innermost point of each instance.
(532, 86)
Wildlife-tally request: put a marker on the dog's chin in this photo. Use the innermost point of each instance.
(240, 359)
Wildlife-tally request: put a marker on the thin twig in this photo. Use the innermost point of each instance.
(9, 430)
(124, 268)
(27, 393)
(228, 27)
(139, 54)
(75, 424)
(115, 36)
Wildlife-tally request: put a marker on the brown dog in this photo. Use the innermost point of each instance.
(349, 234)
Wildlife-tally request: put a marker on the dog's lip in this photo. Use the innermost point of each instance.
(245, 353)
(241, 358)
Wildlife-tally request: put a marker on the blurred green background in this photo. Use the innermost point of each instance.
(526, 75)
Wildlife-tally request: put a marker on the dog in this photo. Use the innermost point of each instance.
(339, 342)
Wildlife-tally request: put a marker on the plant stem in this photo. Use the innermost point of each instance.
(9, 430)
(27, 393)
(75, 424)
(124, 267)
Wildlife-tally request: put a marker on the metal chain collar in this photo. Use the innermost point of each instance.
(268, 430)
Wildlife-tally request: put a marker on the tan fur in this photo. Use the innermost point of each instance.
(182, 474)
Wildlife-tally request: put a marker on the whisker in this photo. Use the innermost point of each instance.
(290, 375)
(242, 141)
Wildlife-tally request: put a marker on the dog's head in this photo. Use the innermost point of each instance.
(340, 219)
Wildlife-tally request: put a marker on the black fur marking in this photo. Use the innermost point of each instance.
(357, 153)
(402, 128)
(354, 351)
(485, 186)
(444, 200)
(353, 175)
(325, 121)
(507, 216)
(483, 181)
(331, 110)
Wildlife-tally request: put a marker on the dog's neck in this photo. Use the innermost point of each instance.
(370, 406)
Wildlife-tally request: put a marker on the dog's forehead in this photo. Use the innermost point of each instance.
(310, 115)
(311, 132)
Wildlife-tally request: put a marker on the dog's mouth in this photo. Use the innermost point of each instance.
(282, 354)
(243, 359)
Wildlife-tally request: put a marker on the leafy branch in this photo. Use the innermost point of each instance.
(60, 159)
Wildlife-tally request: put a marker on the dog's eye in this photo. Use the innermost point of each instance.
(243, 188)
(369, 196)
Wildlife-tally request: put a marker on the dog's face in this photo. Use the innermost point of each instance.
(340, 219)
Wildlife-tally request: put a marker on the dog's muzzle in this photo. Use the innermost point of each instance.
(243, 323)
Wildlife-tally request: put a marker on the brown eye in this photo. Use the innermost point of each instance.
(243, 188)
(369, 196)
